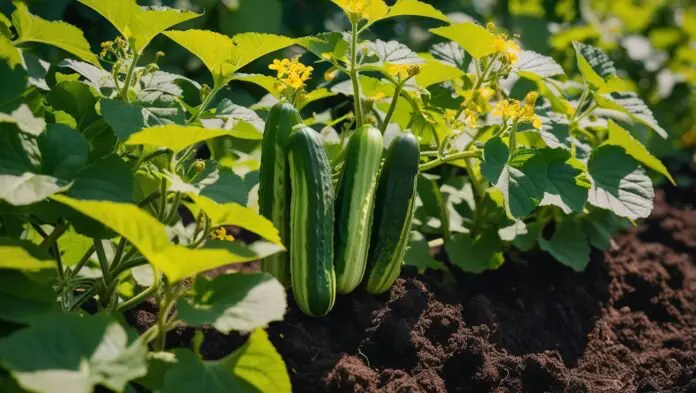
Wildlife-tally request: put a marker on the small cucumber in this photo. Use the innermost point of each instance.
(311, 224)
(394, 206)
(274, 183)
(354, 206)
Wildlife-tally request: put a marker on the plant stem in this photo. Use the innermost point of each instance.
(135, 300)
(354, 75)
(81, 263)
(127, 265)
(174, 208)
(103, 264)
(163, 200)
(450, 157)
(204, 105)
(129, 78)
(392, 107)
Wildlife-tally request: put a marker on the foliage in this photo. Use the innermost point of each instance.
(120, 181)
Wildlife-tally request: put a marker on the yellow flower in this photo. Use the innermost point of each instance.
(531, 98)
(508, 109)
(499, 44)
(398, 70)
(486, 93)
(330, 74)
(536, 122)
(221, 234)
(364, 9)
(291, 72)
(470, 118)
(491, 27)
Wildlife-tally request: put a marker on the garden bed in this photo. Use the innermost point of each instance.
(628, 323)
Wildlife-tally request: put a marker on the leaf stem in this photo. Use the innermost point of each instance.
(204, 105)
(450, 157)
(354, 75)
(103, 262)
(392, 107)
(129, 77)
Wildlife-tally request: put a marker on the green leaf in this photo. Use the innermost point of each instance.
(450, 53)
(568, 245)
(474, 255)
(418, 254)
(31, 28)
(433, 72)
(415, 8)
(37, 70)
(594, 65)
(567, 182)
(9, 53)
(474, 38)
(240, 302)
(521, 179)
(76, 351)
(630, 104)
(237, 215)
(253, 368)
(5, 27)
(600, 225)
(107, 179)
(371, 11)
(76, 99)
(619, 183)
(64, 151)
(25, 120)
(138, 25)
(222, 55)
(95, 77)
(23, 300)
(174, 137)
(73, 246)
(392, 52)
(239, 121)
(532, 65)
(127, 119)
(433, 202)
(621, 137)
(150, 238)
(23, 255)
(332, 44)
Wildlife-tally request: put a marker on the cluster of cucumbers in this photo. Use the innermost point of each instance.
(337, 237)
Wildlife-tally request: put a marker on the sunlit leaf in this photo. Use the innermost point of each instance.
(369, 10)
(174, 137)
(475, 39)
(594, 65)
(253, 368)
(632, 105)
(415, 8)
(74, 350)
(127, 119)
(23, 255)
(238, 215)
(619, 183)
(533, 64)
(222, 55)
(433, 72)
(620, 137)
(240, 302)
(138, 24)
(9, 53)
(238, 121)
(31, 28)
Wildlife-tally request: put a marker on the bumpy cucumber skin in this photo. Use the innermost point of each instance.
(394, 205)
(354, 207)
(311, 224)
(274, 183)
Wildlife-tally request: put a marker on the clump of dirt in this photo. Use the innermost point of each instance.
(626, 324)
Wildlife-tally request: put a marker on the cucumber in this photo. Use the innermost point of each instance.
(393, 212)
(274, 183)
(354, 207)
(311, 224)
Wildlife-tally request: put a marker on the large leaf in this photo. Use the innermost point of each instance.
(174, 137)
(150, 238)
(632, 105)
(567, 183)
(521, 178)
(619, 183)
(253, 368)
(415, 8)
(126, 119)
(222, 55)
(474, 255)
(107, 179)
(594, 65)
(25, 120)
(23, 300)
(392, 52)
(433, 72)
(239, 121)
(95, 77)
(450, 53)
(600, 225)
(64, 151)
(475, 39)
(72, 350)
(240, 302)
(568, 245)
(23, 255)
(31, 28)
(9, 53)
(76, 99)
(620, 137)
(138, 25)
(235, 214)
(533, 66)
(369, 10)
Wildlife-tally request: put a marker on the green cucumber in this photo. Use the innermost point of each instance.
(274, 183)
(354, 206)
(311, 224)
(394, 206)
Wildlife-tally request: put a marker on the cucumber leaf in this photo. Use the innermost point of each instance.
(568, 245)
(474, 38)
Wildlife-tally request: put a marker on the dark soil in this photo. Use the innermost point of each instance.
(627, 324)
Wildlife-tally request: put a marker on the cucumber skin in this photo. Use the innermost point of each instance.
(354, 207)
(311, 224)
(274, 183)
(394, 206)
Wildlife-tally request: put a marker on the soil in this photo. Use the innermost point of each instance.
(626, 324)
